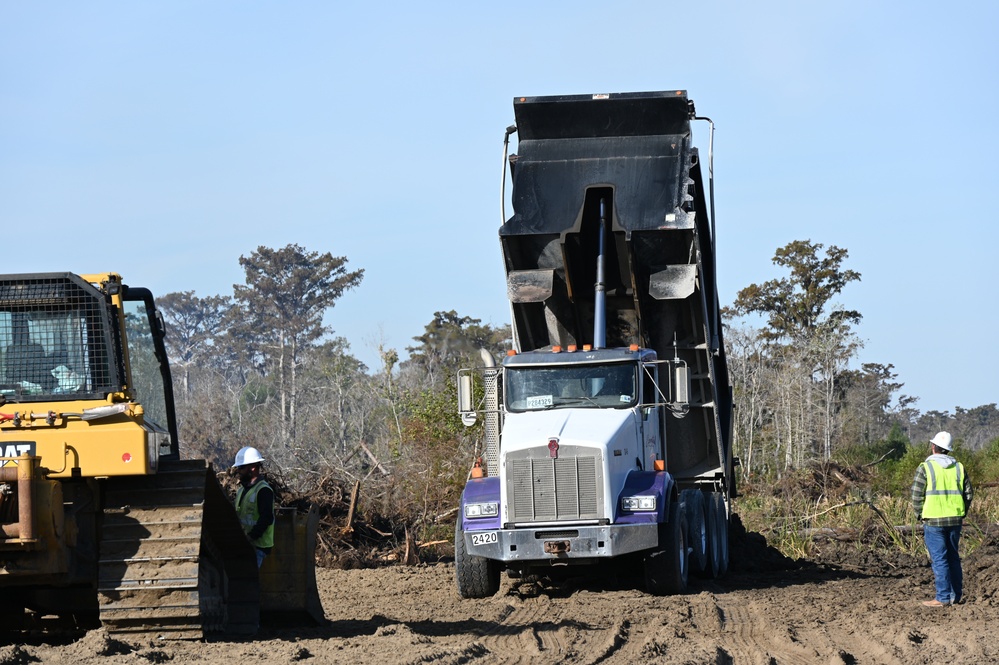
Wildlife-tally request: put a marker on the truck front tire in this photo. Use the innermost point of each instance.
(477, 577)
(666, 566)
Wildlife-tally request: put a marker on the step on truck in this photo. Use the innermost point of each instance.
(607, 428)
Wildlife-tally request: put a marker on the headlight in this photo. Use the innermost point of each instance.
(490, 509)
(638, 503)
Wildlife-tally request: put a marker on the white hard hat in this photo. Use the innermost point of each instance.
(942, 440)
(248, 455)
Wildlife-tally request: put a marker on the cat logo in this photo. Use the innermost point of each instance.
(15, 449)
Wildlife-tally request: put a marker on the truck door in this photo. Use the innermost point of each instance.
(651, 420)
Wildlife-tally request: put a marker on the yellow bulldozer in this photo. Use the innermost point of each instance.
(101, 521)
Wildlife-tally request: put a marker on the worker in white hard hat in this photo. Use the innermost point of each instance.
(941, 497)
(255, 501)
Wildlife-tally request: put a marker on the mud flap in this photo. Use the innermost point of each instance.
(288, 593)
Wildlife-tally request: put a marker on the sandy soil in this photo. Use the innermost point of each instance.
(846, 606)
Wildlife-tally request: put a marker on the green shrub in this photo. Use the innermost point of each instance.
(986, 464)
(891, 448)
(893, 477)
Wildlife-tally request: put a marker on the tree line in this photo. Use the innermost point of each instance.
(799, 398)
(259, 367)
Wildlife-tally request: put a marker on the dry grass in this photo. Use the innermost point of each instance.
(794, 516)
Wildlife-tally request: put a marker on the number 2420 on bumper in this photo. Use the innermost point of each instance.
(484, 538)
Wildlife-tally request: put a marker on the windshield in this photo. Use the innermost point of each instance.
(535, 388)
(147, 379)
(47, 353)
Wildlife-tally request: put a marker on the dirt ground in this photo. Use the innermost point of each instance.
(844, 606)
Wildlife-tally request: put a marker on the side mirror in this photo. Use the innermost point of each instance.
(465, 407)
(681, 383)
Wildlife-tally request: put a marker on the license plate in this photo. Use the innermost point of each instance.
(485, 538)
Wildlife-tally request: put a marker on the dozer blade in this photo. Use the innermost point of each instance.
(174, 562)
(288, 593)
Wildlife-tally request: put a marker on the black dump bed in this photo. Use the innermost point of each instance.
(634, 152)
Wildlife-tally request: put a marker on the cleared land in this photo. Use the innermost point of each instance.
(846, 606)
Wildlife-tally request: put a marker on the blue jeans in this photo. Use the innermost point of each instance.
(262, 554)
(941, 543)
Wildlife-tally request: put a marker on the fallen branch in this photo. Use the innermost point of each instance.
(877, 511)
(374, 459)
(353, 504)
(808, 518)
(880, 459)
(410, 557)
(843, 535)
(849, 534)
(446, 515)
(434, 542)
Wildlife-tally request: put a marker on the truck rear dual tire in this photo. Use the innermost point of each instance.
(717, 528)
(477, 577)
(666, 566)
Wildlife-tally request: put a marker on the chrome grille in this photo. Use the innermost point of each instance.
(541, 489)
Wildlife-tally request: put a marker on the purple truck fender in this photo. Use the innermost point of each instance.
(655, 483)
(479, 490)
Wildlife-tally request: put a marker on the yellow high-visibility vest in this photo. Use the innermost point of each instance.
(944, 490)
(249, 513)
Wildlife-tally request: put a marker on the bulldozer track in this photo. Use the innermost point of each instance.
(174, 562)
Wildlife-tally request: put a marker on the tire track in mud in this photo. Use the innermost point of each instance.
(533, 629)
(522, 631)
(616, 641)
(526, 631)
(751, 635)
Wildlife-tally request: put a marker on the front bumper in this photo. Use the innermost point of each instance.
(561, 543)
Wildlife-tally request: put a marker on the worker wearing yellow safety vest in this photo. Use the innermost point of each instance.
(255, 502)
(941, 496)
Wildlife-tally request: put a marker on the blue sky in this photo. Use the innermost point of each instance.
(163, 140)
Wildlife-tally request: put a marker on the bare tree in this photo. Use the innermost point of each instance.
(286, 295)
(194, 328)
(807, 344)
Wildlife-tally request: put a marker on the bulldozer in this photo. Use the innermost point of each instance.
(102, 523)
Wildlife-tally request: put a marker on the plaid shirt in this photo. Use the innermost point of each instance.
(919, 497)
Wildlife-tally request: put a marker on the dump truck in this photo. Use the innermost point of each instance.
(607, 427)
(101, 520)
